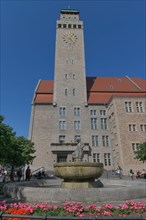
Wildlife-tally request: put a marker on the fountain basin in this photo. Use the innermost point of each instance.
(78, 174)
(49, 190)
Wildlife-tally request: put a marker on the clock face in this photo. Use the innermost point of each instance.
(70, 38)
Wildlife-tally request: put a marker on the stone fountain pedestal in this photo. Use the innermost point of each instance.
(78, 175)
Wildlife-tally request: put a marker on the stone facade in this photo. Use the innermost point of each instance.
(66, 111)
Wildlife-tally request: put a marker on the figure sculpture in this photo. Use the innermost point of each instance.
(77, 155)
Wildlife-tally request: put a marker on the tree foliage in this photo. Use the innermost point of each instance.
(140, 154)
(14, 150)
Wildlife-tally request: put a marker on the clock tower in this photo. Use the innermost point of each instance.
(70, 77)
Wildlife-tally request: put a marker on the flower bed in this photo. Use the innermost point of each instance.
(129, 208)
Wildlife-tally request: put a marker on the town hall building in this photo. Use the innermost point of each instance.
(108, 114)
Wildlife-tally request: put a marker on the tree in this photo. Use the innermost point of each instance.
(15, 151)
(6, 136)
(140, 154)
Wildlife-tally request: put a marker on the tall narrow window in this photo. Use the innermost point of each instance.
(139, 107)
(62, 124)
(77, 125)
(95, 140)
(93, 123)
(102, 112)
(65, 92)
(61, 138)
(128, 106)
(143, 127)
(107, 159)
(96, 157)
(77, 111)
(132, 127)
(135, 146)
(93, 112)
(103, 123)
(73, 92)
(62, 111)
(67, 61)
(105, 141)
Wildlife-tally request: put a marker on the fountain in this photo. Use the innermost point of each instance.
(78, 181)
(78, 174)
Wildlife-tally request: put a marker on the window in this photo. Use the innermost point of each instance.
(105, 141)
(61, 157)
(95, 140)
(59, 25)
(103, 123)
(62, 111)
(62, 125)
(61, 138)
(77, 111)
(69, 26)
(74, 25)
(77, 137)
(65, 92)
(93, 123)
(67, 61)
(93, 112)
(128, 106)
(139, 107)
(143, 127)
(107, 159)
(69, 47)
(66, 76)
(79, 26)
(64, 25)
(73, 76)
(73, 92)
(96, 157)
(77, 125)
(132, 127)
(135, 146)
(102, 112)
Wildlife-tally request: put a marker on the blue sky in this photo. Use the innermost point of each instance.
(114, 37)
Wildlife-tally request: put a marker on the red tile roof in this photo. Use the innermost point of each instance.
(115, 84)
(99, 90)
